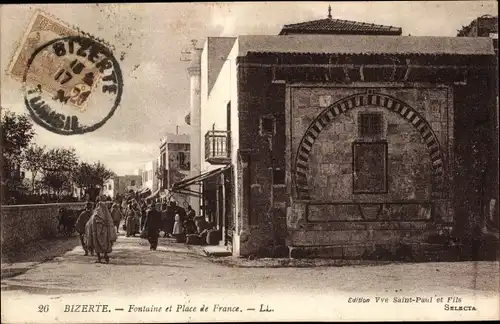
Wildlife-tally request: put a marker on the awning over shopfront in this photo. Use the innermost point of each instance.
(144, 192)
(154, 194)
(183, 186)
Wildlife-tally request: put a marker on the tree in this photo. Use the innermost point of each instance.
(34, 161)
(91, 177)
(57, 169)
(81, 175)
(101, 174)
(17, 133)
(57, 181)
(60, 160)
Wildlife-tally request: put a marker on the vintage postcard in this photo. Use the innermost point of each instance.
(257, 161)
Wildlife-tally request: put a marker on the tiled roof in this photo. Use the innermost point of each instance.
(338, 26)
(362, 44)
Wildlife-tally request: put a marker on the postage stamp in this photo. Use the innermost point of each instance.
(41, 29)
(66, 71)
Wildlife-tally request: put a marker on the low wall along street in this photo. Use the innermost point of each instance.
(22, 224)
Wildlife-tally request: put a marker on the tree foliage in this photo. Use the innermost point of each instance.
(90, 176)
(56, 181)
(17, 134)
(59, 168)
(60, 160)
(34, 161)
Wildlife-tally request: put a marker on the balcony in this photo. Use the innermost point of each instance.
(218, 147)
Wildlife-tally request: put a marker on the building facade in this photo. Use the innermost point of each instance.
(174, 166)
(484, 26)
(119, 185)
(149, 176)
(336, 143)
(487, 26)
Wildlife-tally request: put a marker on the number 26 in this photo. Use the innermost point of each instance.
(43, 308)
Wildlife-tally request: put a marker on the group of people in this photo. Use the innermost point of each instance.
(173, 220)
(98, 227)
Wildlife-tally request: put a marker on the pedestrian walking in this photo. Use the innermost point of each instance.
(138, 217)
(81, 221)
(163, 212)
(171, 209)
(116, 214)
(143, 211)
(178, 231)
(152, 226)
(130, 221)
(100, 232)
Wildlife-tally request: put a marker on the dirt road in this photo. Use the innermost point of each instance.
(177, 270)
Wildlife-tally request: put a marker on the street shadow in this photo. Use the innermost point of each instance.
(37, 290)
(40, 250)
(145, 258)
(55, 285)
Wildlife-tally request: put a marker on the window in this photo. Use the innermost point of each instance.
(181, 158)
(109, 187)
(267, 126)
(132, 182)
(370, 125)
(278, 177)
(370, 167)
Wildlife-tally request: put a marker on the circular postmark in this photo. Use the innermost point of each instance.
(72, 85)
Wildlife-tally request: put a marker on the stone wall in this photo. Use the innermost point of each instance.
(476, 153)
(22, 224)
(324, 152)
(262, 207)
(431, 156)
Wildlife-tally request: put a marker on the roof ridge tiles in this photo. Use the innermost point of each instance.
(340, 25)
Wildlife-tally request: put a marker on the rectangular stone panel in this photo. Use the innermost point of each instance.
(406, 212)
(360, 212)
(333, 213)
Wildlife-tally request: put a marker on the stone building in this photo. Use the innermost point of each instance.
(337, 141)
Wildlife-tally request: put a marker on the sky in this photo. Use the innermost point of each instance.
(156, 85)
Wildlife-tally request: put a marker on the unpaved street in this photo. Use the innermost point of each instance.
(134, 268)
(134, 271)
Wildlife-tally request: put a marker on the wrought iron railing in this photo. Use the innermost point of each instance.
(218, 146)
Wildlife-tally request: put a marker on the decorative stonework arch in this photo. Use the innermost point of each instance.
(328, 115)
